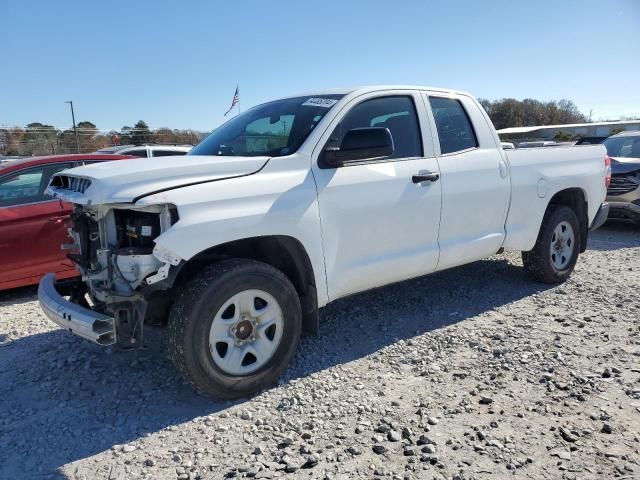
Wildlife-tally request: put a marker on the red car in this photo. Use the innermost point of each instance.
(33, 225)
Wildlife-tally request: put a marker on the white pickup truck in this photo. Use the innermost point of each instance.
(298, 202)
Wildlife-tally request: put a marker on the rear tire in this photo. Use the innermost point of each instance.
(234, 328)
(556, 251)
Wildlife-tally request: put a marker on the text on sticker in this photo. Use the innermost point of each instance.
(320, 102)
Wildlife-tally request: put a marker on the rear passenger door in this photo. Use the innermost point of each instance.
(378, 225)
(474, 177)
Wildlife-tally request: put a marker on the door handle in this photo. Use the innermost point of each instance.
(503, 169)
(425, 177)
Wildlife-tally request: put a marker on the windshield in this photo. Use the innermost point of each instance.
(627, 146)
(272, 129)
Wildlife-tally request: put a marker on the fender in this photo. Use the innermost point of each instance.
(279, 202)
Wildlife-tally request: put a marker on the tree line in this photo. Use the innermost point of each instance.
(41, 139)
(509, 112)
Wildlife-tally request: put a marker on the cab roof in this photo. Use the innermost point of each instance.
(376, 88)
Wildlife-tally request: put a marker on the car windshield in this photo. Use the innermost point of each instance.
(272, 129)
(626, 146)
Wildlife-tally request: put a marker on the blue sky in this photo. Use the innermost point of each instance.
(176, 64)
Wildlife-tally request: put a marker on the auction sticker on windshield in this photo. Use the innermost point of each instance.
(320, 102)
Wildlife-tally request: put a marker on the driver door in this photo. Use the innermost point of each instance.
(379, 225)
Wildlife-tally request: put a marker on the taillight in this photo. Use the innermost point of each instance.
(607, 170)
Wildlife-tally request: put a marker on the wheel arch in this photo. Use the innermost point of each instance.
(285, 253)
(576, 198)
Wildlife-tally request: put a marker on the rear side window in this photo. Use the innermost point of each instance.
(398, 114)
(454, 127)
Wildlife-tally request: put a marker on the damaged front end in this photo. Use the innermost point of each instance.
(122, 268)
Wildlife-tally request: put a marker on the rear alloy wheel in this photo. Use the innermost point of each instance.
(555, 253)
(235, 327)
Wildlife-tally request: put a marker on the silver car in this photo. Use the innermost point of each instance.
(623, 194)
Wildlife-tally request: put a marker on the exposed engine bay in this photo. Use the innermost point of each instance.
(120, 264)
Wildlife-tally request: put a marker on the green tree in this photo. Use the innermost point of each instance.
(561, 136)
(125, 135)
(486, 104)
(40, 139)
(67, 142)
(509, 112)
(87, 132)
(140, 133)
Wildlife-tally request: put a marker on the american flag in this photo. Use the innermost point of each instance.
(235, 101)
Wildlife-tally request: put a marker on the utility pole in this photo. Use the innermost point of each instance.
(75, 130)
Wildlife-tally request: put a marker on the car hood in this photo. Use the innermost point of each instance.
(126, 181)
(622, 165)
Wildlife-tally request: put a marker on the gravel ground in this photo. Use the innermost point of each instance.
(476, 372)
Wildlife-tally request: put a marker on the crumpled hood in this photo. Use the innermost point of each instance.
(125, 181)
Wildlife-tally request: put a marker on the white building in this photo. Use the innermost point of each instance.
(548, 132)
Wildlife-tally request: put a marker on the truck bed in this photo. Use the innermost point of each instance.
(537, 174)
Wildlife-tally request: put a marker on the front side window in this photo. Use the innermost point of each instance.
(272, 129)
(27, 186)
(455, 131)
(397, 113)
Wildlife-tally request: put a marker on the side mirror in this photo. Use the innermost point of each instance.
(360, 144)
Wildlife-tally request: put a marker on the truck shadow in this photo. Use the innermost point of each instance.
(64, 399)
(359, 325)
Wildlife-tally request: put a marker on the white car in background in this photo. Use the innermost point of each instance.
(624, 192)
(149, 150)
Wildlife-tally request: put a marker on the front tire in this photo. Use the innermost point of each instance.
(555, 253)
(234, 328)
